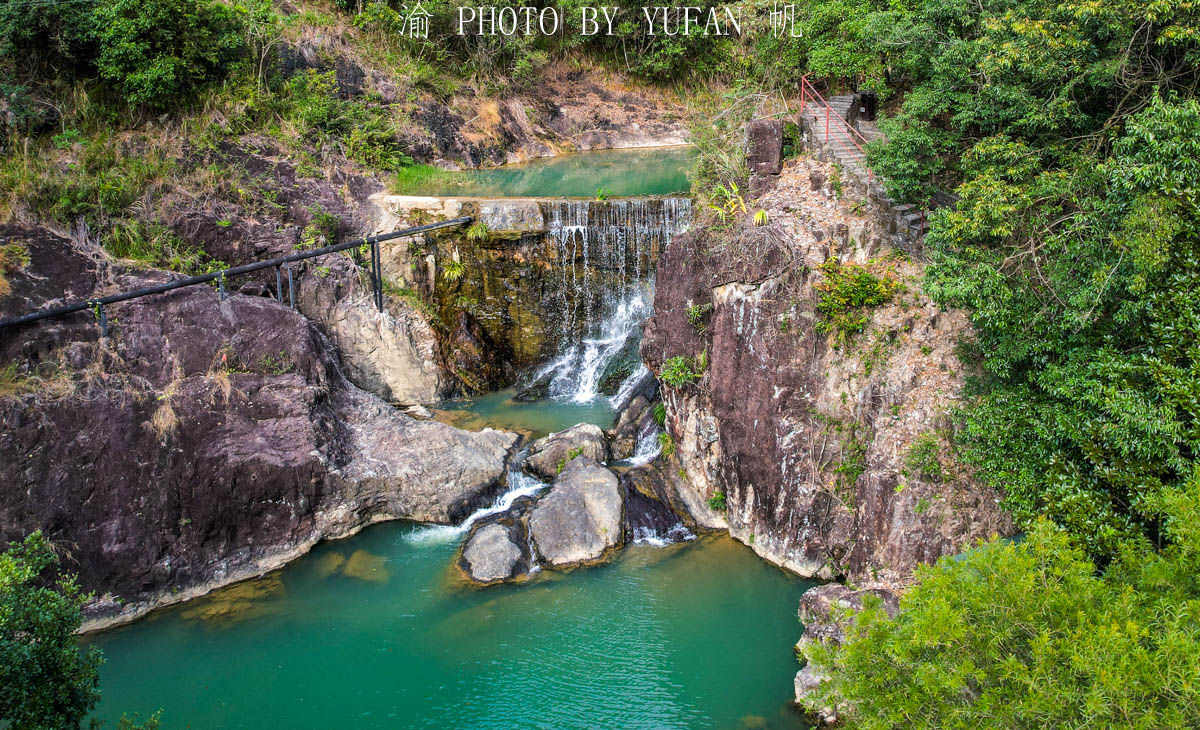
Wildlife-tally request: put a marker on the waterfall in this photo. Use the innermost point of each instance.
(575, 374)
(648, 445)
(520, 484)
(606, 252)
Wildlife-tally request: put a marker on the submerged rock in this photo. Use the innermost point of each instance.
(491, 555)
(579, 519)
(367, 566)
(548, 456)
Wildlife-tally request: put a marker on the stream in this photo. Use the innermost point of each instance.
(380, 630)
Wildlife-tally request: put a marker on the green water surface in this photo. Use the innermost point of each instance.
(535, 419)
(620, 173)
(693, 635)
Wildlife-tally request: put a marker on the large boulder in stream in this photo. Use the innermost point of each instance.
(548, 456)
(579, 519)
(491, 555)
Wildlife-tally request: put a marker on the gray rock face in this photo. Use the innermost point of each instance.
(550, 455)
(579, 519)
(393, 354)
(490, 555)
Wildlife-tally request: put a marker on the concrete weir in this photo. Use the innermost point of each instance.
(545, 271)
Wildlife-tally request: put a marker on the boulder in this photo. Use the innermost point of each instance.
(548, 456)
(491, 555)
(579, 519)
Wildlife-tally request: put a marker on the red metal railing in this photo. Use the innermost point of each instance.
(809, 94)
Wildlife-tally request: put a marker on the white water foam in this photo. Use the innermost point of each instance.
(520, 485)
(647, 536)
(575, 375)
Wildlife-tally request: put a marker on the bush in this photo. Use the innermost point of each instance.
(677, 372)
(923, 459)
(846, 293)
(158, 52)
(716, 502)
(45, 680)
(1028, 635)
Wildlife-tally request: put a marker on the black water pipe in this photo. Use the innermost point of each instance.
(222, 275)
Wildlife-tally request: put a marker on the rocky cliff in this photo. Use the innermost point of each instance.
(808, 384)
(203, 441)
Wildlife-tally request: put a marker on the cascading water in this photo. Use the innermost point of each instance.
(606, 252)
(520, 484)
(575, 375)
(648, 445)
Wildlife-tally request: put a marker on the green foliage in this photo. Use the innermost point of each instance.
(716, 502)
(695, 316)
(571, 454)
(365, 132)
(923, 459)
(603, 194)
(666, 444)
(157, 246)
(1028, 635)
(156, 52)
(1082, 281)
(46, 681)
(847, 291)
(678, 372)
(453, 270)
(478, 231)
(660, 413)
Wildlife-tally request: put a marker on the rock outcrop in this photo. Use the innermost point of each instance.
(825, 611)
(491, 555)
(803, 432)
(579, 520)
(204, 440)
(393, 353)
(548, 456)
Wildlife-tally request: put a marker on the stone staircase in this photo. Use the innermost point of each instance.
(910, 222)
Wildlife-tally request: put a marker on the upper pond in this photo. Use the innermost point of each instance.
(376, 631)
(618, 173)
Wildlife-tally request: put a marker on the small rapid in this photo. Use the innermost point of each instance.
(520, 484)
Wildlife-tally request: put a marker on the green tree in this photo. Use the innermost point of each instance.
(1028, 635)
(46, 681)
(158, 52)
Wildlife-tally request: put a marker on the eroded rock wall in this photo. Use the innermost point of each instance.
(806, 435)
